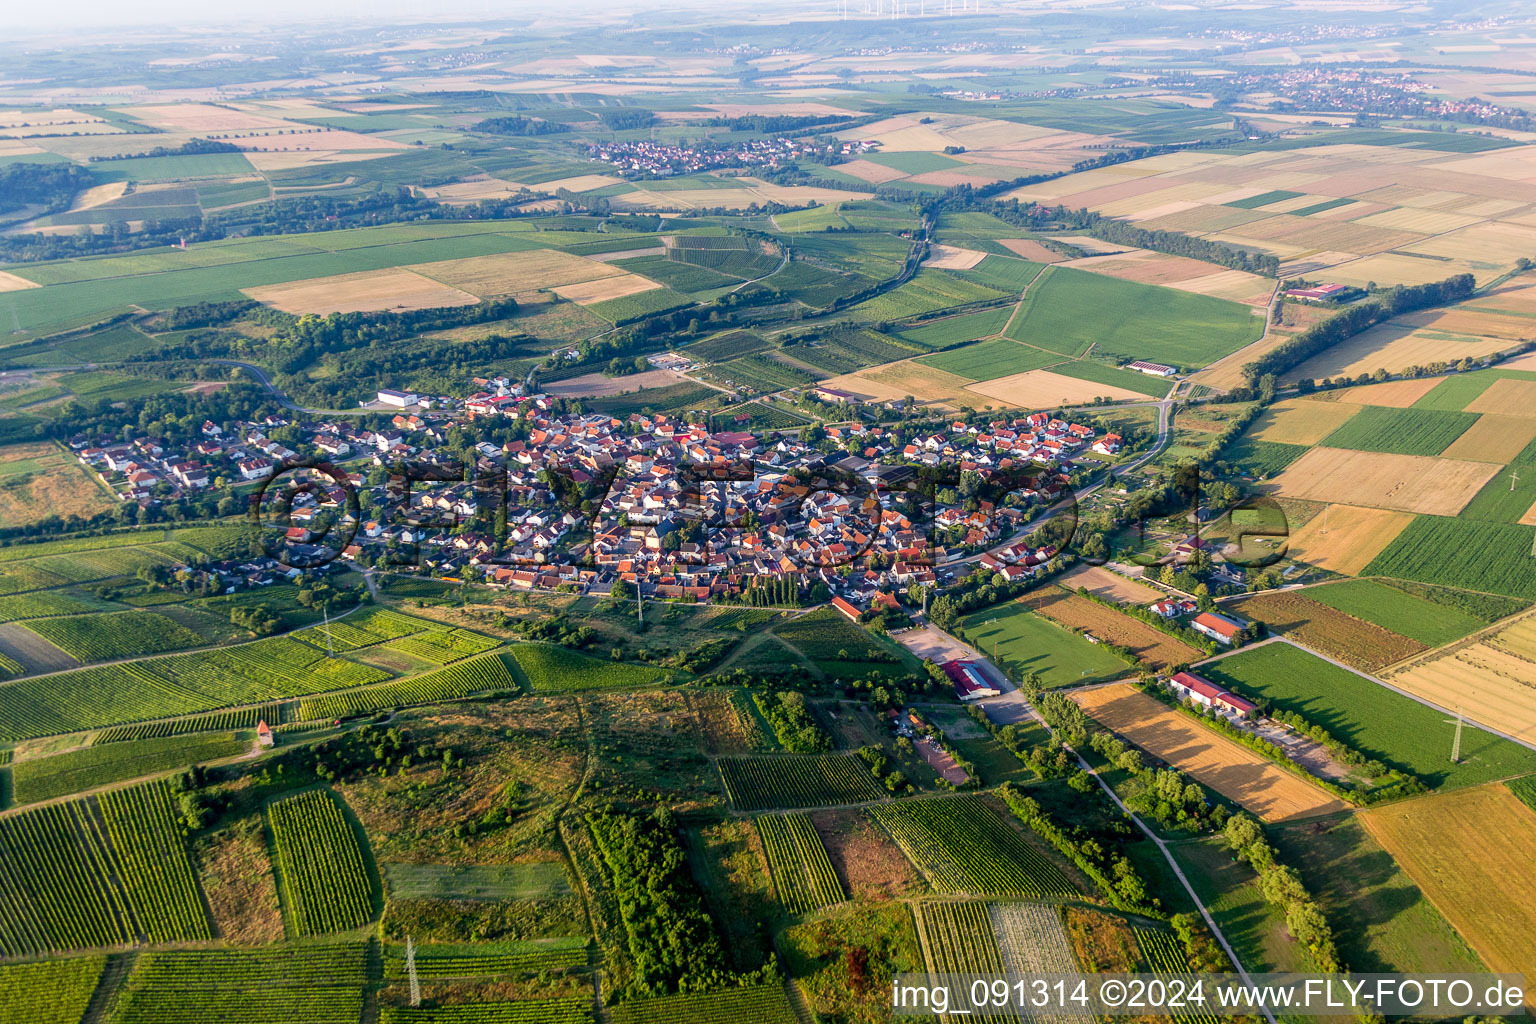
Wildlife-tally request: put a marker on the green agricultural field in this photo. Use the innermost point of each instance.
(913, 163)
(478, 675)
(43, 778)
(1381, 723)
(1332, 204)
(1010, 275)
(1456, 392)
(1392, 609)
(1400, 431)
(547, 668)
(797, 860)
(956, 330)
(641, 304)
(1114, 376)
(817, 218)
(1023, 642)
(928, 292)
(1434, 549)
(1262, 458)
(173, 168)
(673, 397)
(825, 634)
(1506, 498)
(1068, 311)
(1264, 199)
(996, 357)
(1381, 920)
(318, 984)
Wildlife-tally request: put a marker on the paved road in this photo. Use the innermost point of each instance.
(282, 399)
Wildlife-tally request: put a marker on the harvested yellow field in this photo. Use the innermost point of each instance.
(1101, 582)
(472, 190)
(509, 272)
(206, 117)
(12, 283)
(1493, 438)
(371, 290)
(1473, 853)
(949, 257)
(588, 292)
(579, 183)
(1385, 267)
(868, 170)
(1493, 681)
(895, 381)
(734, 198)
(1345, 538)
(1302, 421)
(1227, 372)
(1407, 483)
(280, 161)
(1224, 765)
(1031, 250)
(1395, 394)
(1042, 389)
(1394, 347)
(1507, 398)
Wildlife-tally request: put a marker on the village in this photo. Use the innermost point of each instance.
(661, 159)
(846, 513)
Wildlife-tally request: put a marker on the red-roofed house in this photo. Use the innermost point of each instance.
(1218, 627)
(1203, 691)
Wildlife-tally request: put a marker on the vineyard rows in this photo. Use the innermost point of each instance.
(761, 1004)
(369, 627)
(1162, 952)
(274, 985)
(964, 846)
(218, 721)
(479, 676)
(74, 876)
(1031, 940)
(798, 861)
(959, 940)
(440, 646)
(760, 784)
(51, 992)
(40, 605)
(104, 636)
(576, 1010)
(179, 684)
(324, 876)
(43, 778)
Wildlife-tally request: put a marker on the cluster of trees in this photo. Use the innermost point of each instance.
(623, 118)
(775, 592)
(553, 629)
(38, 189)
(192, 147)
(1048, 760)
(1357, 318)
(670, 936)
(1110, 870)
(883, 768)
(793, 723)
(521, 126)
(1283, 888)
(1162, 793)
(776, 124)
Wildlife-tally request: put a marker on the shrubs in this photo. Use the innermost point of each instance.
(797, 730)
(1115, 876)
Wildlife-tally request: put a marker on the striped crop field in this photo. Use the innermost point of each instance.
(797, 859)
(324, 875)
(964, 846)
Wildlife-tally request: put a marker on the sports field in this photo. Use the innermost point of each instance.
(1471, 853)
(1021, 642)
(1229, 768)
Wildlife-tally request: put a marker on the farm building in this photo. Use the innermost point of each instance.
(398, 399)
(1321, 293)
(1203, 691)
(846, 608)
(1152, 369)
(833, 395)
(970, 682)
(1218, 627)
